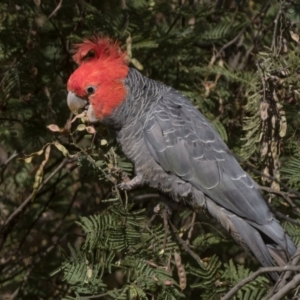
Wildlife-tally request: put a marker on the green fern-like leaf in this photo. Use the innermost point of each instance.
(208, 276)
(256, 289)
(293, 231)
(291, 171)
(221, 130)
(107, 232)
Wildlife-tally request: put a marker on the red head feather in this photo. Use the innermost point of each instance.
(102, 65)
(98, 48)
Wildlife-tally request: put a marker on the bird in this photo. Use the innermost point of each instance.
(173, 147)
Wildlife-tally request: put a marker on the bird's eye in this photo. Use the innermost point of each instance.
(90, 90)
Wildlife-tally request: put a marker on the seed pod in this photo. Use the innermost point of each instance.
(54, 128)
(276, 174)
(128, 46)
(284, 72)
(277, 163)
(264, 150)
(266, 174)
(275, 96)
(89, 271)
(282, 112)
(274, 154)
(168, 282)
(61, 148)
(137, 64)
(294, 36)
(264, 110)
(81, 127)
(283, 126)
(273, 121)
(181, 271)
(275, 186)
(90, 129)
(273, 148)
(284, 49)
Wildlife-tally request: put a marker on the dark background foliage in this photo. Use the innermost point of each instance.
(60, 210)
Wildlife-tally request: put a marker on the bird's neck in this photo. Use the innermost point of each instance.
(142, 95)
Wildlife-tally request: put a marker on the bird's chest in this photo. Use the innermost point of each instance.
(136, 150)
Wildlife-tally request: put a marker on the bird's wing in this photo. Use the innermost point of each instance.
(184, 143)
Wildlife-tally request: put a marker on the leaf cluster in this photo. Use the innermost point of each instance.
(60, 206)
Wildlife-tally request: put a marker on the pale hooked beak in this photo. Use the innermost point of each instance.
(76, 103)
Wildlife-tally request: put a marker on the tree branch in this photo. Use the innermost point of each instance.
(248, 279)
(288, 287)
(56, 9)
(185, 246)
(281, 282)
(8, 222)
(285, 195)
(236, 38)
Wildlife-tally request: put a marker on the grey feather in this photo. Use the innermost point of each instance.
(175, 149)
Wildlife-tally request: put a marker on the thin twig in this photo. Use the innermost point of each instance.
(14, 294)
(283, 216)
(55, 9)
(191, 228)
(281, 282)
(235, 39)
(248, 279)
(15, 154)
(293, 192)
(287, 288)
(123, 5)
(273, 46)
(185, 246)
(285, 195)
(36, 220)
(90, 159)
(4, 165)
(28, 199)
(166, 227)
(296, 296)
(37, 259)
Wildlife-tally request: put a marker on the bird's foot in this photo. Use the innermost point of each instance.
(129, 185)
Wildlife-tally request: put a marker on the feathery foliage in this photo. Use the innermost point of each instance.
(61, 211)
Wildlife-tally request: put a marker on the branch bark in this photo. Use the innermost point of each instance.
(248, 279)
(287, 288)
(9, 221)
